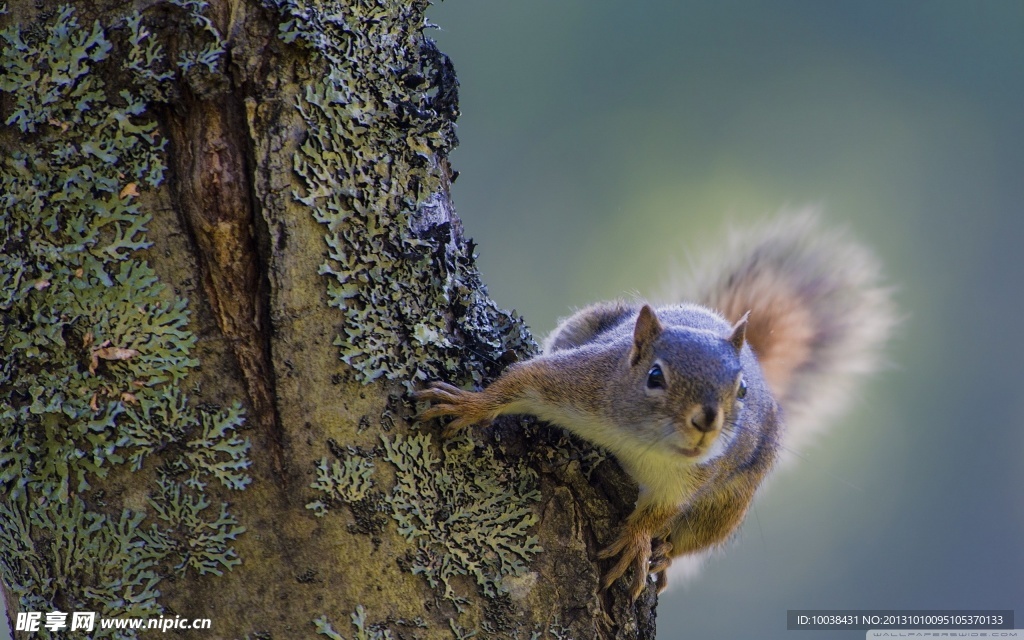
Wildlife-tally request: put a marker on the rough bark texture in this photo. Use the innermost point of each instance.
(227, 252)
(210, 159)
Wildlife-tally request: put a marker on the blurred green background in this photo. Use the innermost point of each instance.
(606, 144)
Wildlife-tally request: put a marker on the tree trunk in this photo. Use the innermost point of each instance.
(227, 253)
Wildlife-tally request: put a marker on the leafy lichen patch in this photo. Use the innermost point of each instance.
(201, 543)
(371, 168)
(363, 630)
(347, 482)
(466, 512)
(94, 350)
(201, 58)
(113, 559)
(370, 631)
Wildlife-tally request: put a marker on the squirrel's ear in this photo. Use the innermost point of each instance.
(646, 330)
(739, 332)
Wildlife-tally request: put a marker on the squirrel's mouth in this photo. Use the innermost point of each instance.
(689, 453)
(700, 447)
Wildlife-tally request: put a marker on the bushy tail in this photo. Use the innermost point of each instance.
(819, 316)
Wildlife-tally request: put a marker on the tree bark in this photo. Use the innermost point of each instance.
(227, 253)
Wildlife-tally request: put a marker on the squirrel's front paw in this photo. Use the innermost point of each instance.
(634, 548)
(467, 407)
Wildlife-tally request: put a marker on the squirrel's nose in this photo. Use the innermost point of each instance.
(705, 418)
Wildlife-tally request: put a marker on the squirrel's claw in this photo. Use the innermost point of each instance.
(662, 582)
(438, 392)
(635, 550)
(467, 407)
(660, 561)
(660, 555)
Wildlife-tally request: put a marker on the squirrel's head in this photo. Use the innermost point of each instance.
(687, 383)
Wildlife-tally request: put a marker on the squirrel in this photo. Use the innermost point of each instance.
(694, 399)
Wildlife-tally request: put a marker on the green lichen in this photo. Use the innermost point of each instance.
(201, 544)
(146, 58)
(55, 87)
(202, 53)
(94, 350)
(380, 123)
(346, 483)
(466, 512)
(217, 451)
(558, 631)
(459, 632)
(108, 563)
(208, 55)
(379, 114)
(363, 631)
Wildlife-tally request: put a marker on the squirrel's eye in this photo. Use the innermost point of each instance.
(655, 378)
(741, 392)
